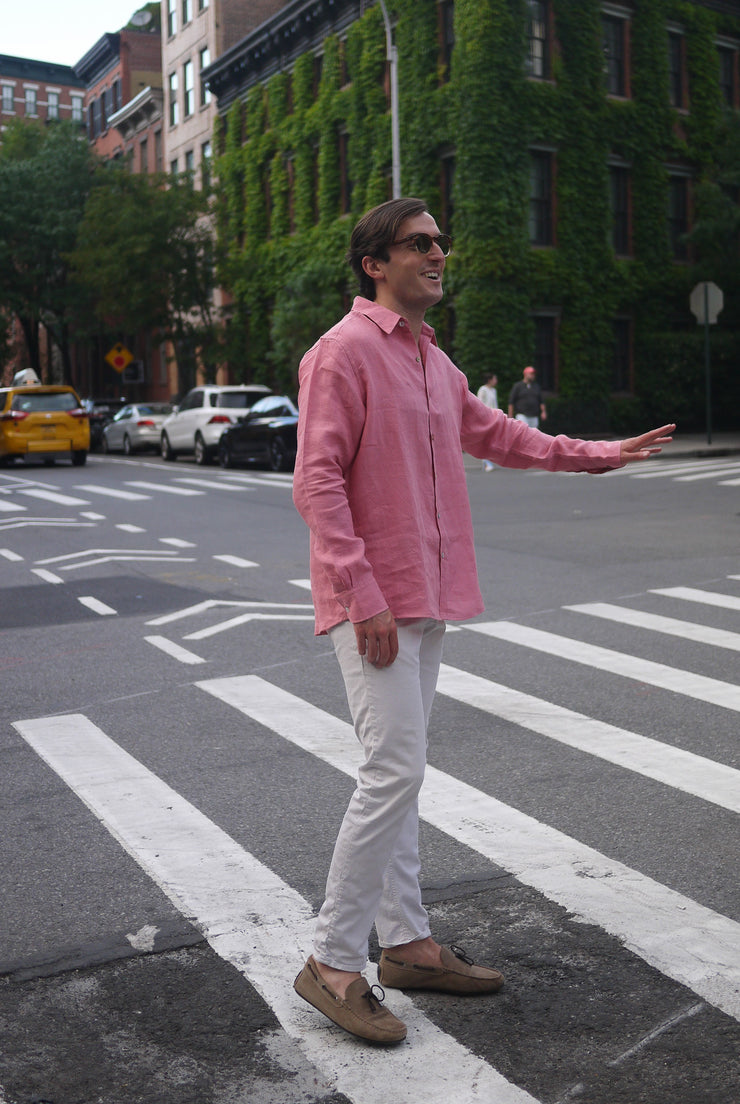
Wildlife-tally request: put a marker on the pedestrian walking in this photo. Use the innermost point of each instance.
(488, 394)
(525, 400)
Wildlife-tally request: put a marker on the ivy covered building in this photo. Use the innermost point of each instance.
(582, 154)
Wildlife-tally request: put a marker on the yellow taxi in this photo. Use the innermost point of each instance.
(45, 421)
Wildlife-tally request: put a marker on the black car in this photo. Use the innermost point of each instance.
(100, 412)
(267, 434)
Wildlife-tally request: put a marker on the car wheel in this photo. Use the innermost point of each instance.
(127, 445)
(225, 458)
(79, 458)
(168, 453)
(278, 454)
(202, 455)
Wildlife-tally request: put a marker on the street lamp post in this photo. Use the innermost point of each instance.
(392, 56)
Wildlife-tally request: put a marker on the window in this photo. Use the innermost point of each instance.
(202, 5)
(205, 61)
(446, 35)
(8, 99)
(171, 17)
(143, 156)
(541, 202)
(538, 59)
(622, 355)
(52, 108)
(205, 165)
(189, 161)
(728, 74)
(619, 204)
(544, 360)
(174, 112)
(77, 109)
(678, 215)
(614, 39)
(187, 11)
(30, 101)
(173, 166)
(188, 81)
(158, 151)
(115, 95)
(676, 70)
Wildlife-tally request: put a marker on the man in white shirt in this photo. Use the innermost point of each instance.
(488, 395)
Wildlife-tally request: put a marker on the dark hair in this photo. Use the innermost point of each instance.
(376, 230)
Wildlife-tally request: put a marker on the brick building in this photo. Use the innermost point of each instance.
(42, 90)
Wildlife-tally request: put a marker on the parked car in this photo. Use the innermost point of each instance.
(43, 421)
(136, 427)
(267, 434)
(101, 411)
(197, 424)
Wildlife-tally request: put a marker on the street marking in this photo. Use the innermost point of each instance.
(59, 523)
(615, 663)
(54, 496)
(686, 941)
(112, 492)
(91, 515)
(164, 487)
(232, 623)
(682, 770)
(687, 630)
(174, 650)
(254, 920)
(732, 470)
(176, 542)
(97, 606)
(304, 584)
(218, 484)
(705, 597)
(47, 576)
(11, 507)
(125, 553)
(729, 483)
(125, 527)
(262, 481)
(214, 603)
(236, 561)
(676, 467)
(6, 552)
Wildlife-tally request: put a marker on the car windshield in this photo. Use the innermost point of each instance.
(236, 400)
(45, 401)
(271, 404)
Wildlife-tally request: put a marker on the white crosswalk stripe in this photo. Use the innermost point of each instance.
(252, 919)
(686, 630)
(704, 597)
(684, 940)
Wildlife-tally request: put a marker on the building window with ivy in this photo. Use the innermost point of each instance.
(677, 70)
(728, 82)
(678, 215)
(541, 197)
(538, 58)
(614, 31)
(174, 107)
(619, 206)
(446, 15)
(545, 351)
(171, 18)
(622, 355)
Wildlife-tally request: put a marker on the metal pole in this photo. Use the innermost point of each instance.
(707, 368)
(392, 57)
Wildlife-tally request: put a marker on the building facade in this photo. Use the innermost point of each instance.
(39, 90)
(566, 145)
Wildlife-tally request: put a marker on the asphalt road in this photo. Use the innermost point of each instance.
(176, 758)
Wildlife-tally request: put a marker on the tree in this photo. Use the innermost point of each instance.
(46, 175)
(143, 260)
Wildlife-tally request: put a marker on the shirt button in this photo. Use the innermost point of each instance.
(443, 555)
(402, 323)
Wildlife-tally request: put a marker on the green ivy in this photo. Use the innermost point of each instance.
(282, 231)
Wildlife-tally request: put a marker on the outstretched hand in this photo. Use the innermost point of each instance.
(643, 447)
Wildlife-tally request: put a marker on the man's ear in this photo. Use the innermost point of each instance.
(373, 268)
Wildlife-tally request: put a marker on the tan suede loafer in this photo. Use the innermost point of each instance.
(361, 1012)
(457, 974)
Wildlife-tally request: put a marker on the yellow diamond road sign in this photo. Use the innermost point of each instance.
(118, 357)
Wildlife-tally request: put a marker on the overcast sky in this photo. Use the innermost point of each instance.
(61, 30)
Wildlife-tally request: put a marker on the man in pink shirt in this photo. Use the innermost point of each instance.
(385, 417)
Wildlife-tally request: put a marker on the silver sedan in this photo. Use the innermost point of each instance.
(136, 427)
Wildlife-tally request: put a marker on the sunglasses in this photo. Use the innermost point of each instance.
(423, 242)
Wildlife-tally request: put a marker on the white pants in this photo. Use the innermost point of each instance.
(374, 872)
(532, 421)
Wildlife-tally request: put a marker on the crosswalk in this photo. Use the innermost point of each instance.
(254, 919)
(723, 472)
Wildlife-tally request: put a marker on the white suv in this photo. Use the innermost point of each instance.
(202, 416)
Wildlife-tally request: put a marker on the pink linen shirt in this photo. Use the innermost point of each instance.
(379, 474)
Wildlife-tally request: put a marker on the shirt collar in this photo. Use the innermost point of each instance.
(385, 319)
